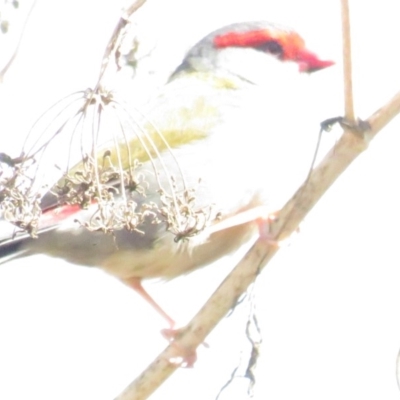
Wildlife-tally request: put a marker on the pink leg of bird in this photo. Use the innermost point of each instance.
(136, 285)
(187, 357)
(184, 357)
(264, 228)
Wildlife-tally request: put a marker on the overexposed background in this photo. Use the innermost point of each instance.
(328, 304)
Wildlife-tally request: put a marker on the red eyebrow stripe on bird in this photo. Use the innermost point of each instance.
(293, 46)
(242, 39)
(291, 42)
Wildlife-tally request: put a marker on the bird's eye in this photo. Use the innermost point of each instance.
(272, 47)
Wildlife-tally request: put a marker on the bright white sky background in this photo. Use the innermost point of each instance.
(328, 305)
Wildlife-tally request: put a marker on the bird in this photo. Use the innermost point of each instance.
(226, 143)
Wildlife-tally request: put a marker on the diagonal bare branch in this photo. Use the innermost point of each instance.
(346, 150)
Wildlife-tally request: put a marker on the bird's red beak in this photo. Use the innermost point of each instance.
(309, 62)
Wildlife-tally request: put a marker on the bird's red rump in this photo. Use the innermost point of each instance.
(57, 214)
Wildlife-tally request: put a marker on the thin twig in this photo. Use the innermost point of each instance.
(15, 53)
(347, 64)
(110, 57)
